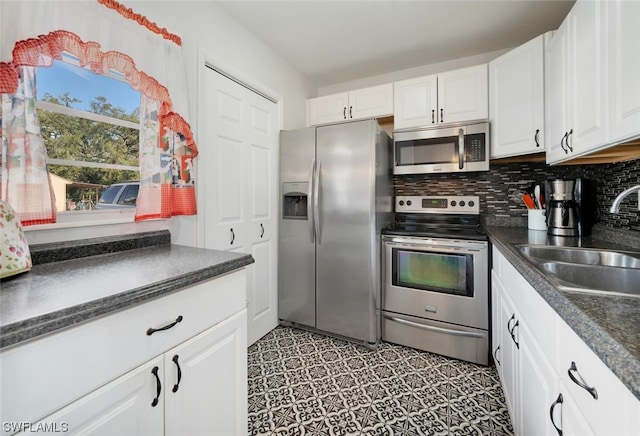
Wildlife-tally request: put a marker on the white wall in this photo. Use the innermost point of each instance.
(410, 73)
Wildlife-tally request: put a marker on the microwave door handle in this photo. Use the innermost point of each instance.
(460, 148)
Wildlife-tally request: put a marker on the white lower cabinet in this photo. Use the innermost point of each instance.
(196, 388)
(176, 365)
(549, 376)
(206, 382)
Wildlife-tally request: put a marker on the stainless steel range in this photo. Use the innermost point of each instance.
(435, 294)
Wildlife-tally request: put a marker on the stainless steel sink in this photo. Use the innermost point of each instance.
(587, 269)
(583, 256)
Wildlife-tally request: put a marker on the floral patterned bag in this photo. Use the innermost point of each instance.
(14, 250)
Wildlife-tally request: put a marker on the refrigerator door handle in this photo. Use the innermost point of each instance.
(316, 202)
(310, 209)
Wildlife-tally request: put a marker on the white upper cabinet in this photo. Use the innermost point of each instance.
(372, 102)
(624, 70)
(327, 109)
(577, 84)
(516, 100)
(453, 96)
(415, 102)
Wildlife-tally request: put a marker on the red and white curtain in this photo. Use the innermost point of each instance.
(104, 36)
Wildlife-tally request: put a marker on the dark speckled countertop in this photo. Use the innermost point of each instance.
(609, 325)
(60, 291)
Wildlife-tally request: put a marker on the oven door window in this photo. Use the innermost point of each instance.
(438, 272)
(427, 151)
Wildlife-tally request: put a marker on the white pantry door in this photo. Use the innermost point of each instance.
(239, 169)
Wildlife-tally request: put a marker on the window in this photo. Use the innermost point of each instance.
(90, 125)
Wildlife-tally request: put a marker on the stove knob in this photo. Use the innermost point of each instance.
(461, 203)
(401, 203)
(408, 202)
(453, 203)
(472, 203)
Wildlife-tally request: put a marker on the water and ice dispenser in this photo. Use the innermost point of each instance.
(294, 200)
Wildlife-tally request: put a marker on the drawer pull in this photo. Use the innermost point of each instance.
(177, 385)
(581, 382)
(156, 400)
(553, 406)
(495, 355)
(151, 331)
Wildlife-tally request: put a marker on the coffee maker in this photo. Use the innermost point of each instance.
(571, 207)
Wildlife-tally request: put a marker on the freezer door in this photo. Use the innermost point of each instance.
(296, 264)
(346, 244)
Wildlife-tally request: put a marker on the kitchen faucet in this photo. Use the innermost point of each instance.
(615, 207)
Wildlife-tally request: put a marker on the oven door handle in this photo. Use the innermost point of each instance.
(435, 329)
(466, 248)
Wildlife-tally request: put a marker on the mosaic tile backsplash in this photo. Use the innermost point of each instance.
(500, 189)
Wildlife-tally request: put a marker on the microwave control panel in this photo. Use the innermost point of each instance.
(475, 148)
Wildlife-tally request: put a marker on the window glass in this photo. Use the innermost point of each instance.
(90, 125)
(129, 196)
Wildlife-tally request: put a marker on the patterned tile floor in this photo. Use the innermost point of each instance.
(303, 383)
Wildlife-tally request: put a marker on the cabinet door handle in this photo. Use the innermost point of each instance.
(536, 137)
(441, 115)
(553, 406)
(433, 116)
(350, 111)
(156, 400)
(581, 382)
(151, 330)
(569, 137)
(344, 112)
(562, 143)
(495, 355)
(513, 334)
(233, 236)
(177, 385)
(513, 317)
(261, 230)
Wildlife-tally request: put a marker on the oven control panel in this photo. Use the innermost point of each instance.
(460, 204)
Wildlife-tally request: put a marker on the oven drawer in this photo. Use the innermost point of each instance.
(451, 340)
(470, 311)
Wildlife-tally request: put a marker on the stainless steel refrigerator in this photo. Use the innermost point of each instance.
(336, 195)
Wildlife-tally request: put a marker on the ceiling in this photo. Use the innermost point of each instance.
(337, 41)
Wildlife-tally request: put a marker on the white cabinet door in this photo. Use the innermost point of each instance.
(463, 95)
(206, 382)
(588, 78)
(239, 186)
(327, 109)
(624, 64)
(556, 94)
(509, 353)
(516, 100)
(125, 406)
(375, 101)
(537, 384)
(415, 102)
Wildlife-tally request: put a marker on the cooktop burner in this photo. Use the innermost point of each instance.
(452, 217)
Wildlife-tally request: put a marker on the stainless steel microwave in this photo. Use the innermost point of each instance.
(446, 149)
